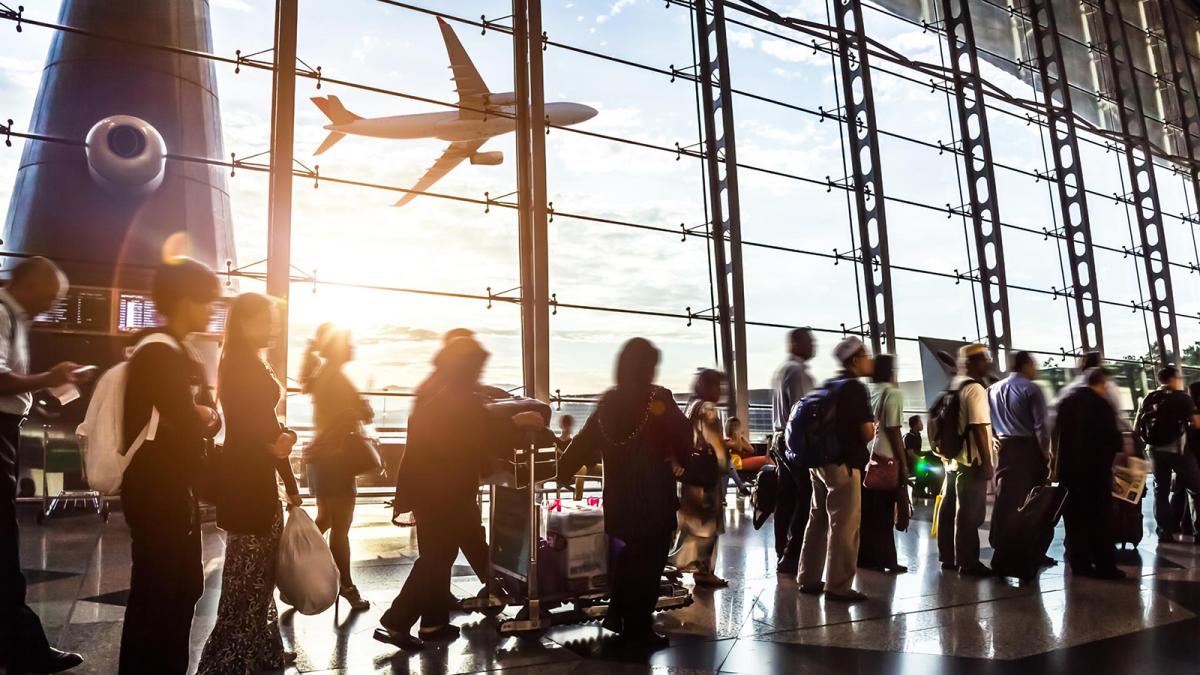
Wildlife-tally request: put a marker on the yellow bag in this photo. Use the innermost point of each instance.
(937, 508)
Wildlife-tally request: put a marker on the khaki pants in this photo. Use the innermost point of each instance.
(832, 528)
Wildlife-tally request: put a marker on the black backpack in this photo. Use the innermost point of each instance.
(1155, 425)
(811, 438)
(944, 436)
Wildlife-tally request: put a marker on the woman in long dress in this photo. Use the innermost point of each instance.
(246, 636)
(702, 507)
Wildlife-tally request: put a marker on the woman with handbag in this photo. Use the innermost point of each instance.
(246, 636)
(885, 501)
(642, 438)
(339, 451)
(702, 497)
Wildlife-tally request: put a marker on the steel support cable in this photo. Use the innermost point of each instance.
(391, 92)
(300, 173)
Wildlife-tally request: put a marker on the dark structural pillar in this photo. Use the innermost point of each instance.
(279, 200)
(101, 237)
(1139, 158)
(867, 171)
(1068, 174)
(720, 153)
(981, 180)
(520, 14)
(539, 236)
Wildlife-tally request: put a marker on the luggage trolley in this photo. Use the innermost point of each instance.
(517, 571)
(59, 456)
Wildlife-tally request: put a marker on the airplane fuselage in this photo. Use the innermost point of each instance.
(449, 126)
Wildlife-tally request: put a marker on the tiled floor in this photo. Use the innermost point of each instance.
(925, 621)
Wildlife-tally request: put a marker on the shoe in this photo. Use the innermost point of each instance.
(52, 661)
(898, 569)
(846, 596)
(399, 639)
(709, 580)
(949, 566)
(813, 589)
(976, 570)
(444, 633)
(356, 600)
(454, 603)
(645, 640)
(1047, 561)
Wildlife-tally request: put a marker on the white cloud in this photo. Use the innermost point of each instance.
(366, 43)
(792, 52)
(740, 38)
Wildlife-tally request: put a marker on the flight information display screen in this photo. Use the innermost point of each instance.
(82, 309)
(136, 311)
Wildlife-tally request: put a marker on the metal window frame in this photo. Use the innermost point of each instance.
(1139, 159)
(720, 154)
(980, 171)
(862, 131)
(1068, 173)
(279, 199)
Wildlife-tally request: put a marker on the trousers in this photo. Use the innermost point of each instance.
(792, 506)
(833, 528)
(21, 632)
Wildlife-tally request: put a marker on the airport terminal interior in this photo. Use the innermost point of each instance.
(770, 192)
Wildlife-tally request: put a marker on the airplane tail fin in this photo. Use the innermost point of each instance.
(330, 140)
(336, 112)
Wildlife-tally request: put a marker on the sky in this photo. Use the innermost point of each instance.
(350, 234)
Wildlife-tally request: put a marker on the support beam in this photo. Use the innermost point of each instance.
(279, 200)
(540, 255)
(520, 19)
(1068, 174)
(720, 151)
(1139, 159)
(867, 172)
(981, 178)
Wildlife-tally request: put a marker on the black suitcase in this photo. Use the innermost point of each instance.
(1023, 548)
(1126, 522)
(765, 494)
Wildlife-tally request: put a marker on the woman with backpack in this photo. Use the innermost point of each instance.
(338, 411)
(702, 507)
(642, 437)
(246, 636)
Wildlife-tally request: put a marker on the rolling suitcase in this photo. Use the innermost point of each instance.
(1023, 547)
(1126, 522)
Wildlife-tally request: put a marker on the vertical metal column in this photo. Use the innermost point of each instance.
(981, 178)
(520, 18)
(279, 199)
(721, 153)
(1068, 175)
(540, 236)
(867, 171)
(1139, 158)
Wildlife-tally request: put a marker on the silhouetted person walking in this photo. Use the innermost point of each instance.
(790, 383)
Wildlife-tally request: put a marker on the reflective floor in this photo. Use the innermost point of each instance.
(925, 621)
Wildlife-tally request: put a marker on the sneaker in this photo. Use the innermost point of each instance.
(813, 589)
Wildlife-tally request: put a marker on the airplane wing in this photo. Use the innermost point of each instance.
(451, 157)
(472, 92)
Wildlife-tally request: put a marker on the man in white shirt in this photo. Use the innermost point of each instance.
(964, 503)
(35, 285)
(790, 384)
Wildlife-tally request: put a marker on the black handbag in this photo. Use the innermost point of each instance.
(359, 454)
(701, 468)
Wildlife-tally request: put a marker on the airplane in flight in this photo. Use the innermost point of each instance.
(467, 129)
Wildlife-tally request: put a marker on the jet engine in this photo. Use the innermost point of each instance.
(126, 155)
(505, 98)
(488, 158)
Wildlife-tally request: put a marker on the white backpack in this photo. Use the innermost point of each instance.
(101, 434)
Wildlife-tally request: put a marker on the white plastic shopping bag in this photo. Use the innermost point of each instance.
(305, 573)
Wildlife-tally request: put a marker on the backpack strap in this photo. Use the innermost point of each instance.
(150, 431)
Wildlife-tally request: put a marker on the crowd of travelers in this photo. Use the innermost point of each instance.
(841, 467)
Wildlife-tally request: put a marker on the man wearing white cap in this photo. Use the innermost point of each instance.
(833, 525)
